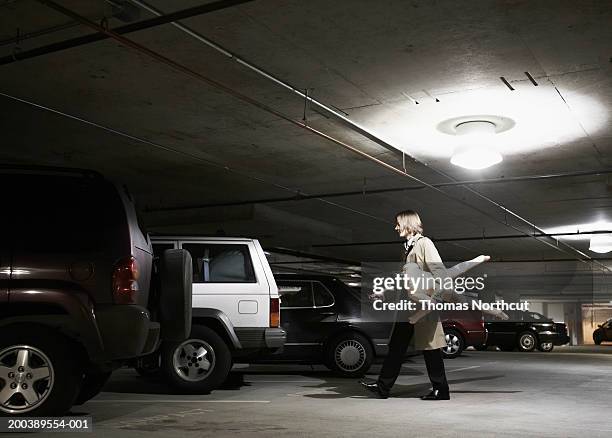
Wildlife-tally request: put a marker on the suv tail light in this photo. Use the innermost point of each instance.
(274, 312)
(125, 281)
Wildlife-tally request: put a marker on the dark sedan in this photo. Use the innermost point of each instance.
(325, 324)
(526, 331)
(603, 332)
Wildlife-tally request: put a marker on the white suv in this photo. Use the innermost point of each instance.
(236, 311)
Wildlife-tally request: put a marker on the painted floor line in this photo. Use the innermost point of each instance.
(177, 401)
(284, 381)
(464, 368)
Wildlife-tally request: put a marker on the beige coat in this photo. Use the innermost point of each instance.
(428, 332)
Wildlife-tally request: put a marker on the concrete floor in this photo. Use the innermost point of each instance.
(564, 393)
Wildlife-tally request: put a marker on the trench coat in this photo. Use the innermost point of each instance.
(428, 331)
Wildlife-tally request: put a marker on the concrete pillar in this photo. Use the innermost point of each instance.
(573, 319)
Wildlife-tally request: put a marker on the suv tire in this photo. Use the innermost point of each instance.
(349, 355)
(51, 362)
(454, 344)
(175, 302)
(199, 364)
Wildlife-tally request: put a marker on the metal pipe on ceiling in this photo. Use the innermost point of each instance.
(179, 67)
(26, 36)
(121, 30)
(304, 197)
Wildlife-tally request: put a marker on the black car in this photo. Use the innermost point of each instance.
(322, 318)
(79, 291)
(325, 323)
(526, 331)
(603, 332)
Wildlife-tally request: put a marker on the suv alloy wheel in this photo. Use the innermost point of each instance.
(40, 372)
(199, 364)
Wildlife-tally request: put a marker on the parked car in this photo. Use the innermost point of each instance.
(236, 313)
(603, 332)
(526, 331)
(325, 324)
(462, 329)
(79, 293)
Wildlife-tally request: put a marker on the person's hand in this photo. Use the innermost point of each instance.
(483, 258)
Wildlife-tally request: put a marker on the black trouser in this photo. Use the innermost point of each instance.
(398, 344)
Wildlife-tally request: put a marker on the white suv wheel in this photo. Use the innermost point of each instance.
(193, 360)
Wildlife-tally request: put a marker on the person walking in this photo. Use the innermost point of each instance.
(426, 334)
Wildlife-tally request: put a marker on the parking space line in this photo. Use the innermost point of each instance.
(285, 381)
(464, 368)
(177, 401)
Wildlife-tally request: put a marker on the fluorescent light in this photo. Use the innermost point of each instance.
(600, 225)
(601, 243)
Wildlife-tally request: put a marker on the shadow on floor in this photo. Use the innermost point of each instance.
(354, 389)
(130, 382)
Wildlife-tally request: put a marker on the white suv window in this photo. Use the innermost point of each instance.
(220, 263)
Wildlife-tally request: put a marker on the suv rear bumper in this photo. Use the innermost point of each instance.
(126, 331)
(261, 338)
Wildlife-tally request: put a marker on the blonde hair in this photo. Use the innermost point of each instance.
(409, 220)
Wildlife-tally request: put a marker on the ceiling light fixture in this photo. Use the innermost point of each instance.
(601, 243)
(476, 150)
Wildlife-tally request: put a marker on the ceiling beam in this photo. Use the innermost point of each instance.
(304, 197)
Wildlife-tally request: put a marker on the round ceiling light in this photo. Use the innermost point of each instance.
(601, 243)
(476, 150)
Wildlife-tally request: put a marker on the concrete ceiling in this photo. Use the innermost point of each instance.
(371, 60)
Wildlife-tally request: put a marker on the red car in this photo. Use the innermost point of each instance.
(462, 329)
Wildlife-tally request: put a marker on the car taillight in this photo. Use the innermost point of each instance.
(274, 312)
(125, 281)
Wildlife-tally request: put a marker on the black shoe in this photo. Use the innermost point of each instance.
(373, 387)
(435, 394)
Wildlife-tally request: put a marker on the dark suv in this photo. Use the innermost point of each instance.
(79, 292)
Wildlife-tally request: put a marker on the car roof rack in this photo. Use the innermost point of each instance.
(41, 169)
